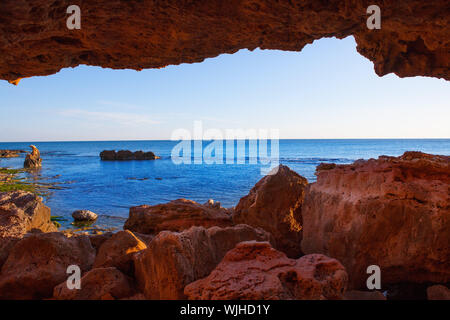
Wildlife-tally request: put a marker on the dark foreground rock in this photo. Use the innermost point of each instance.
(256, 271)
(275, 204)
(39, 262)
(173, 260)
(98, 284)
(122, 155)
(177, 215)
(392, 212)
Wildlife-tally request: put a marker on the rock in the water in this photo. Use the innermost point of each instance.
(275, 204)
(21, 212)
(176, 215)
(39, 262)
(33, 159)
(10, 153)
(255, 271)
(118, 252)
(393, 212)
(438, 292)
(173, 260)
(98, 284)
(213, 204)
(84, 215)
(122, 155)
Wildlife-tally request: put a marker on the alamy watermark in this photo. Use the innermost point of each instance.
(229, 146)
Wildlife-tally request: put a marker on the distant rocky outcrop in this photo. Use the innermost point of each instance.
(98, 284)
(122, 155)
(33, 159)
(177, 215)
(255, 271)
(10, 153)
(274, 204)
(393, 212)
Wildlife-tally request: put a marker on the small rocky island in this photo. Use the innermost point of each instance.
(10, 153)
(123, 155)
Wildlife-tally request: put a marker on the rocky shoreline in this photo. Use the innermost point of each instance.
(287, 239)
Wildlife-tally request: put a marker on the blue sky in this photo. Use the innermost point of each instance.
(326, 91)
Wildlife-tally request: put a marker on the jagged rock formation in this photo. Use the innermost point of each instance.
(255, 271)
(33, 159)
(414, 38)
(176, 215)
(274, 204)
(393, 212)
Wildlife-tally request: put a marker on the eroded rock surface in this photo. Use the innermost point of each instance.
(274, 204)
(20, 213)
(177, 215)
(414, 38)
(39, 262)
(256, 271)
(173, 260)
(393, 212)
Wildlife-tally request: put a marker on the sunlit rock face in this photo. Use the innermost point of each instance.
(414, 38)
(393, 212)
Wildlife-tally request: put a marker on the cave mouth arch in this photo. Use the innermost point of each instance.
(34, 39)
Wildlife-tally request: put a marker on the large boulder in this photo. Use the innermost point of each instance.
(98, 284)
(173, 260)
(33, 159)
(21, 212)
(393, 212)
(255, 271)
(275, 204)
(177, 215)
(118, 252)
(39, 262)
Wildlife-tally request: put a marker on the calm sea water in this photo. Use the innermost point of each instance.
(111, 188)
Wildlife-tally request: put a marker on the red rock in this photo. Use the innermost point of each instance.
(390, 212)
(176, 215)
(173, 260)
(34, 40)
(118, 252)
(255, 271)
(274, 204)
(39, 262)
(98, 284)
(20, 213)
(438, 292)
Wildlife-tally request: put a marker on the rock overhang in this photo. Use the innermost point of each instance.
(414, 39)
